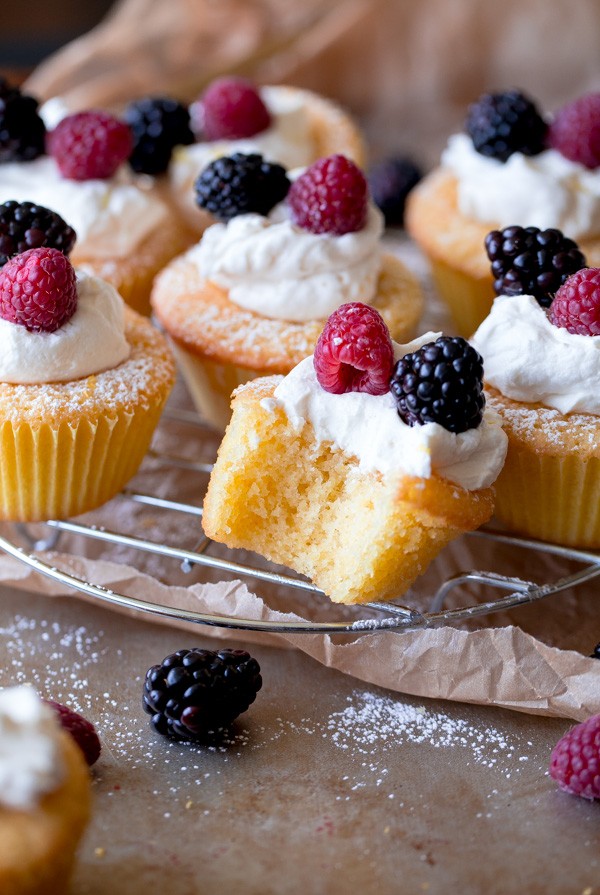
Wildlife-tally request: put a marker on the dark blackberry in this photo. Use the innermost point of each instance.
(24, 226)
(529, 261)
(390, 182)
(240, 184)
(441, 383)
(196, 692)
(596, 653)
(502, 123)
(22, 131)
(158, 124)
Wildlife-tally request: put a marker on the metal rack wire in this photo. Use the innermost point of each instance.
(379, 617)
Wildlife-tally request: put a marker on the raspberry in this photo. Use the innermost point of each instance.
(22, 131)
(82, 730)
(575, 131)
(38, 290)
(196, 692)
(576, 306)
(330, 197)
(502, 123)
(24, 225)
(158, 124)
(231, 109)
(354, 352)
(441, 383)
(90, 145)
(529, 261)
(240, 184)
(575, 761)
(390, 181)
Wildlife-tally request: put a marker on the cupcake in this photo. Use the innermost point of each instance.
(542, 365)
(252, 297)
(83, 380)
(511, 167)
(44, 796)
(361, 464)
(125, 232)
(284, 124)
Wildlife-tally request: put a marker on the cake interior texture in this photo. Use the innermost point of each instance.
(358, 536)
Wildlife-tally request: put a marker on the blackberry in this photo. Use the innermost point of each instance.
(502, 123)
(596, 653)
(24, 226)
(240, 184)
(196, 692)
(390, 182)
(158, 124)
(22, 131)
(529, 261)
(441, 383)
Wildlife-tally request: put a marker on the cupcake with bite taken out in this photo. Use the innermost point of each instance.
(252, 297)
(510, 167)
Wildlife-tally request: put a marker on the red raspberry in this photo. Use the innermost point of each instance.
(90, 145)
(575, 761)
(330, 197)
(575, 131)
(354, 352)
(230, 109)
(38, 290)
(576, 305)
(82, 730)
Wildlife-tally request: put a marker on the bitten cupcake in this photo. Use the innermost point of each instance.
(542, 363)
(252, 297)
(511, 167)
(126, 232)
(44, 796)
(284, 124)
(361, 464)
(83, 380)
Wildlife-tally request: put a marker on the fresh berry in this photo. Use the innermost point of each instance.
(82, 730)
(230, 109)
(38, 290)
(529, 261)
(330, 197)
(441, 383)
(390, 182)
(575, 131)
(240, 184)
(22, 131)
(576, 306)
(24, 225)
(596, 653)
(502, 123)
(354, 352)
(575, 761)
(158, 124)
(90, 145)
(196, 692)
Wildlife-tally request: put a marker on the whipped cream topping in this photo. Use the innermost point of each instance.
(93, 340)
(545, 190)
(368, 427)
(271, 266)
(529, 359)
(31, 763)
(53, 111)
(110, 217)
(288, 140)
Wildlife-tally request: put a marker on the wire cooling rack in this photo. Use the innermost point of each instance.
(377, 617)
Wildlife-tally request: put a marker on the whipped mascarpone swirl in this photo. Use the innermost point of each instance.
(545, 190)
(288, 140)
(92, 341)
(272, 267)
(529, 359)
(31, 763)
(110, 217)
(368, 427)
